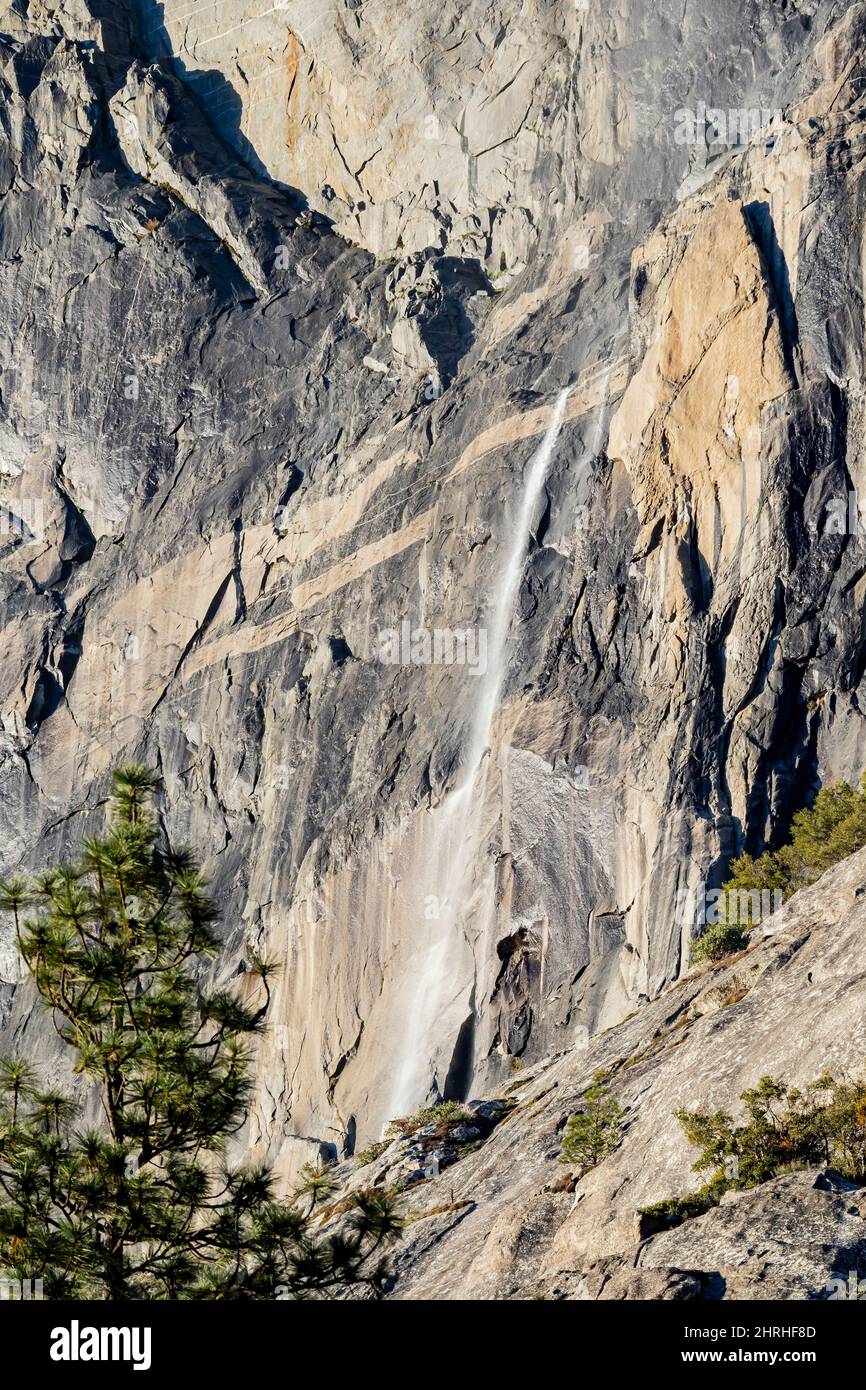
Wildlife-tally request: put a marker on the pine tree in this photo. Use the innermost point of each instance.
(595, 1131)
(147, 1205)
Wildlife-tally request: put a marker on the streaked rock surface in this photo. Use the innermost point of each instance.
(239, 450)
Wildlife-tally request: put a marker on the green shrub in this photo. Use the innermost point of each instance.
(595, 1131)
(370, 1155)
(785, 1129)
(821, 836)
(674, 1210)
(717, 942)
(449, 1112)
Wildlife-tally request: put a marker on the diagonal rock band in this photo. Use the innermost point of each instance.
(535, 332)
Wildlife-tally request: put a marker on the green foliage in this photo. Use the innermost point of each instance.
(370, 1155)
(148, 1206)
(717, 942)
(595, 1131)
(832, 828)
(821, 836)
(784, 1129)
(674, 1210)
(449, 1112)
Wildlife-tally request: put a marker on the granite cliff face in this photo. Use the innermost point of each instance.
(423, 438)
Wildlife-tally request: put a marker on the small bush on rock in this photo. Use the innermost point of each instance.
(822, 835)
(785, 1129)
(449, 1112)
(370, 1155)
(717, 942)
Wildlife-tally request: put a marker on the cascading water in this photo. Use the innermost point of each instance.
(438, 974)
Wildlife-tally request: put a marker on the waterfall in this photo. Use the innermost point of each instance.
(449, 851)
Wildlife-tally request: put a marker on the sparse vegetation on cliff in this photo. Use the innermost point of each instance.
(821, 835)
(370, 1154)
(785, 1129)
(446, 1114)
(717, 943)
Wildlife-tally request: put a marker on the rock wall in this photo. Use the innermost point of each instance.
(249, 433)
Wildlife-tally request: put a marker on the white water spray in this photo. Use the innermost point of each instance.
(438, 972)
